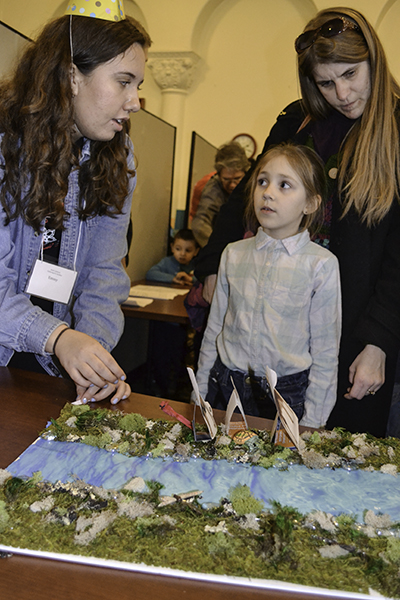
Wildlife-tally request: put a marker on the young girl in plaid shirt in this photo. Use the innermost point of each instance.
(277, 301)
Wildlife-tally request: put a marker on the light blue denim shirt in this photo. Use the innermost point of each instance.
(96, 247)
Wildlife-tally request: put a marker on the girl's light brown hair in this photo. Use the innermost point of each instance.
(369, 169)
(36, 120)
(310, 169)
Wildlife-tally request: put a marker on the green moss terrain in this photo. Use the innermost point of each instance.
(133, 435)
(236, 538)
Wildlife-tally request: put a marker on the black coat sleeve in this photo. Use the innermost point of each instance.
(380, 322)
(229, 226)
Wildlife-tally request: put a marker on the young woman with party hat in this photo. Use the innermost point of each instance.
(67, 178)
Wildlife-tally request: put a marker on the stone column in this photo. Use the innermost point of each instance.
(174, 72)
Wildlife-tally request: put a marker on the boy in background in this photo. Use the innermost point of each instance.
(177, 268)
(170, 339)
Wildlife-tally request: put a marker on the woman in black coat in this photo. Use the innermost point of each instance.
(348, 114)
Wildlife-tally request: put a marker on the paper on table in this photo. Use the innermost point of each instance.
(131, 301)
(156, 292)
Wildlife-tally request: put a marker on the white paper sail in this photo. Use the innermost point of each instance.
(206, 411)
(287, 416)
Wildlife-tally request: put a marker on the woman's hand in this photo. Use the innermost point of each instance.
(367, 372)
(94, 394)
(89, 365)
(183, 278)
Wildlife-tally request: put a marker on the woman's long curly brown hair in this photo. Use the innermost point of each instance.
(36, 120)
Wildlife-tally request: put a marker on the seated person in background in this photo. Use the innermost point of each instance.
(168, 353)
(177, 268)
(231, 164)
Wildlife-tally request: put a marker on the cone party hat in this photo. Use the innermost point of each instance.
(110, 10)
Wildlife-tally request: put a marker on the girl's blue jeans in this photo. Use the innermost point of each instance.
(254, 392)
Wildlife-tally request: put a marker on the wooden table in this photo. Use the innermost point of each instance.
(28, 401)
(159, 310)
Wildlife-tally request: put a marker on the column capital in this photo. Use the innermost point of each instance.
(173, 70)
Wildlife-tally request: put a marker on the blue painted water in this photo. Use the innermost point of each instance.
(338, 491)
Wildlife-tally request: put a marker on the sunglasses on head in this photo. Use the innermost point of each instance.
(329, 29)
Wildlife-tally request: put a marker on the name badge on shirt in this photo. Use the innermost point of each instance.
(51, 282)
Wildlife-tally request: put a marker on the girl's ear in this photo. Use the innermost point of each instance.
(76, 76)
(312, 205)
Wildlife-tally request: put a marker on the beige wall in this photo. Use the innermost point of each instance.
(246, 73)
